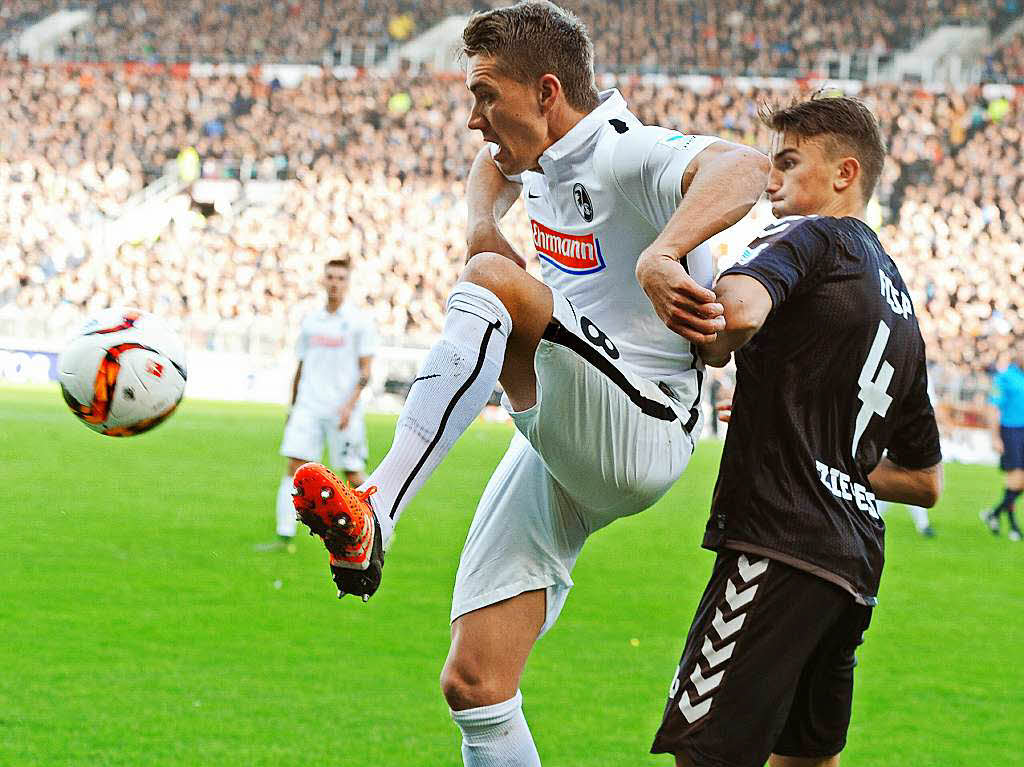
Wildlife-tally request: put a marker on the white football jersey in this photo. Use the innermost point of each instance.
(329, 347)
(608, 188)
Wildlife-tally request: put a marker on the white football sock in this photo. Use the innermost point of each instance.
(458, 377)
(286, 523)
(920, 517)
(497, 736)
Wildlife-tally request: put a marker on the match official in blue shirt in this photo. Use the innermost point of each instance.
(1008, 397)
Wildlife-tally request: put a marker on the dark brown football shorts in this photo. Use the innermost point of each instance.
(767, 667)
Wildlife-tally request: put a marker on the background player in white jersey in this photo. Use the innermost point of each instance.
(604, 394)
(335, 349)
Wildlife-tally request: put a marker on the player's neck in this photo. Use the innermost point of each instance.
(332, 306)
(562, 120)
(842, 207)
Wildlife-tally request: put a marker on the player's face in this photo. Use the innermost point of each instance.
(508, 114)
(800, 182)
(336, 282)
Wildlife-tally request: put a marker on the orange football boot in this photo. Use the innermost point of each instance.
(344, 519)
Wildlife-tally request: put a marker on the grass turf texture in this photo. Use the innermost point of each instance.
(141, 628)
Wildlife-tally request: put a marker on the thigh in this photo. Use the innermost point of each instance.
(346, 448)
(303, 436)
(613, 440)
(526, 535)
(490, 646)
(757, 625)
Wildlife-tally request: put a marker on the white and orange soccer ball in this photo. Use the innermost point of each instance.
(123, 372)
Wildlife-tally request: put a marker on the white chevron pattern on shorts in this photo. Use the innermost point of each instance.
(738, 599)
(726, 628)
(750, 570)
(693, 713)
(704, 686)
(715, 657)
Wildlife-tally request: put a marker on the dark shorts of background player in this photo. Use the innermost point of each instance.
(1013, 448)
(780, 680)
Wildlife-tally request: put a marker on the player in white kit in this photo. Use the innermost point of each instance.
(335, 350)
(597, 364)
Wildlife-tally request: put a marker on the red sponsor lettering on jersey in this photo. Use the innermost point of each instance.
(572, 253)
(155, 369)
(329, 341)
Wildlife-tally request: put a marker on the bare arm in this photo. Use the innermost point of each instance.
(747, 305)
(489, 195)
(720, 185)
(345, 412)
(920, 487)
(997, 434)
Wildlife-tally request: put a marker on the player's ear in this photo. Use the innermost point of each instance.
(847, 174)
(550, 87)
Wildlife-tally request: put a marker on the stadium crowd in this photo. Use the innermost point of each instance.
(715, 36)
(1006, 63)
(375, 168)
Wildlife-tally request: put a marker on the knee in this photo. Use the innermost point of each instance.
(492, 271)
(464, 687)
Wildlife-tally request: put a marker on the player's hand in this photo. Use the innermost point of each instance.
(344, 415)
(487, 238)
(997, 445)
(685, 306)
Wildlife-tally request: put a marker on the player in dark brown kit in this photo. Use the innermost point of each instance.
(830, 414)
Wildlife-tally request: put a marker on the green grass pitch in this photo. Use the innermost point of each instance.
(140, 627)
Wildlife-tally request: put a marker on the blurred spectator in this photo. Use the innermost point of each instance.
(1006, 65)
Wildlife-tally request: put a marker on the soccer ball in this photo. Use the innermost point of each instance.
(123, 372)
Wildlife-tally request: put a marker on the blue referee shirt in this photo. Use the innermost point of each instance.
(1008, 396)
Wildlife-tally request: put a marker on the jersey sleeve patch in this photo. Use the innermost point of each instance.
(681, 142)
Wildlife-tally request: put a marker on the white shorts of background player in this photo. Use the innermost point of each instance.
(306, 433)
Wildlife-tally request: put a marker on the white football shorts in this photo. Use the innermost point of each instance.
(306, 433)
(600, 443)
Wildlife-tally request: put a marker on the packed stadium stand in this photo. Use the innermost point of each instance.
(1006, 62)
(372, 163)
(715, 36)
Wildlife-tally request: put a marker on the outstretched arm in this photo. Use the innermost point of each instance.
(719, 186)
(489, 196)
